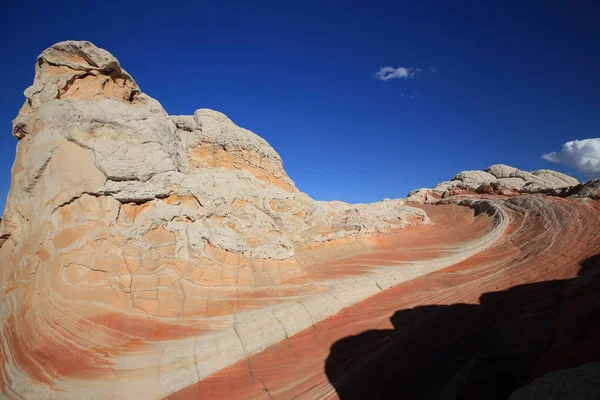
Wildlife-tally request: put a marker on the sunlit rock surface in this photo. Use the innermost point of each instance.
(152, 256)
(508, 181)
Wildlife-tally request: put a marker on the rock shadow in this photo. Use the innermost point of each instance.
(465, 351)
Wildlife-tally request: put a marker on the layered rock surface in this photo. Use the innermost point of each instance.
(133, 240)
(145, 255)
(509, 181)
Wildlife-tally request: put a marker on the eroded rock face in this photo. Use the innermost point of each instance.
(132, 238)
(522, 306)
(508, 181)
(145, 255)
(212, 140)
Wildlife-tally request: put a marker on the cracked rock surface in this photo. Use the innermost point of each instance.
(143, 255)
(133, 240)
(508, 181)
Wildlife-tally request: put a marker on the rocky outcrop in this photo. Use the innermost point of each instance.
(84, 110)
(478, 329)
(129, 232)
(212, 140)
(508, 181)
(144, 255)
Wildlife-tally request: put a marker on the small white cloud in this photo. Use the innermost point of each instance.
(583, 155)
(387, 73)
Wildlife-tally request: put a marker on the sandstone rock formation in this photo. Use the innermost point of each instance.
(128, 232)
(149, 256)
(504, 180)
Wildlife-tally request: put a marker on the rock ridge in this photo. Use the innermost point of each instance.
(142, 254)
(504, 180)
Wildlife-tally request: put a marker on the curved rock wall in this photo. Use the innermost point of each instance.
(144, 255)
(478, 329)
(130, 237)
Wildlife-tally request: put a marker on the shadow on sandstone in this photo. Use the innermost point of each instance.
(465, 351)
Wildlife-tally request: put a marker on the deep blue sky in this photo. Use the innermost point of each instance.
(513, 79)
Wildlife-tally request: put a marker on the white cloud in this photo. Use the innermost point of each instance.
(583, 155)
(387, 73)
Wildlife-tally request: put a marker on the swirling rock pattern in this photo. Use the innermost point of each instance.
(152, 256)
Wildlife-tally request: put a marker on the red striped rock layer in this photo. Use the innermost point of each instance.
(143, 323)
(144, 255)
(141, 252)
(480, 328)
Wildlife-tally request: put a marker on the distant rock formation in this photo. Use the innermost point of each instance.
(143, 254)
(508, 181)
